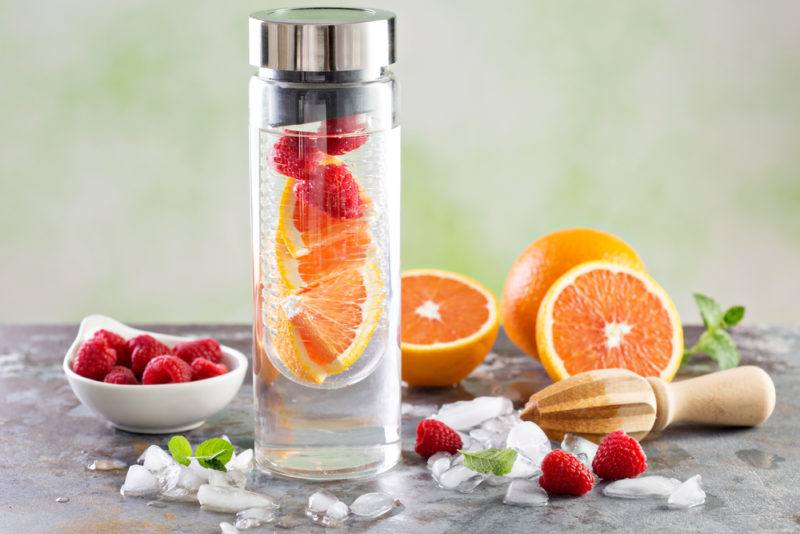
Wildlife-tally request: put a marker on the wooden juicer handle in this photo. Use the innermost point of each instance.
(744, 396)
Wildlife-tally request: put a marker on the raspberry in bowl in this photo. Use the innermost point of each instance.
(147, 382)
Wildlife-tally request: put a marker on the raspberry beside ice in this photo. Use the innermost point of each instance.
(619, 456)
(564, 474)
(434, 436)
(166, 370)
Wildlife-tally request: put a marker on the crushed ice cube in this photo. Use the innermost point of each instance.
(417, 410)
(642, 487)
(373, 505)
(203, 472)
(460, 478)
(437, 456)
(62, 499)
(494, 480)
(501, 424)
(336, 514)
(529, 440)
(525, 493)
(227, 528)
(463, 415)
(139, 482)
(580, 447)
(179, 483)
(488, 438)
(254, 517)
(441, 465)
(230, 499)
(319, 502)
(523, 468)
(241, 462)
(236, 479)
(688, 494)
(106, 465)
(155, 459)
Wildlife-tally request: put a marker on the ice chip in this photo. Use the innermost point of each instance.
(463, 415)
(523, 468)
(373, 505)
(437, 456)
(525, 493)
(417, 410)
(488, 438)
(319, 502)
(241, 462)
(440, 466)
(255, 517)
(227, 528)
(155, 459)
(231, 499)
(642, 487)
(460, 478)
(203, 472)
(236, 479)
(580, 447)
(62, 499)
(687, 495)
(179, 483)
(336, 514)
(106, 465)
(494, 480)
(139, 482)
(529, 440)
(501, 424)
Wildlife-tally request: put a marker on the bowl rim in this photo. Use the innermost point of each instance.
(241, 360)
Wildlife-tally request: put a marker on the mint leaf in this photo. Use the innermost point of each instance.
(490, 461)
(733, 316)
(180, 448)
(710, 311)
(721, 348)
(214, 453)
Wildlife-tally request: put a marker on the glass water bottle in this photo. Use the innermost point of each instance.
(325, 188)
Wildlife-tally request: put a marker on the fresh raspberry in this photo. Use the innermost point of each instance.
(296, 156)
(619, 456)
(94, 359)
(120, 375)
(203, 368)
(118, 343)
(198, 348)
(434, 436)
(564, 474)
(166, 370)
(143, 349)
(336, 135)
(333, 190)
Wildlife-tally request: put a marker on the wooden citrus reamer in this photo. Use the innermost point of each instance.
(595, 403)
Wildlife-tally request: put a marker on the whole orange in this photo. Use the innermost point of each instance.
(542, 263)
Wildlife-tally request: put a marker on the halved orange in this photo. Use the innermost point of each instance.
(328, 297)
(449, 322)
(602, 315)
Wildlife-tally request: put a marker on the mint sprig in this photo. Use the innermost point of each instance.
(715, 341)
(490, 461)
(213, 453)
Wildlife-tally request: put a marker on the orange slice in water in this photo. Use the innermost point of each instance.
(329, 293)
(449, 322)
(601, 315)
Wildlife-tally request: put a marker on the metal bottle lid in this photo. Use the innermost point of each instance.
(322, 39)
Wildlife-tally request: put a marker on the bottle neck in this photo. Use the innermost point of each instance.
(348, 76)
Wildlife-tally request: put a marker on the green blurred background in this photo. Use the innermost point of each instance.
(123, 161)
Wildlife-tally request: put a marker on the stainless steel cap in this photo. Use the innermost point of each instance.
(322, 39)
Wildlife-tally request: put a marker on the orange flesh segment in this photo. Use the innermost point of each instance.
(609, 319)
(462, 310)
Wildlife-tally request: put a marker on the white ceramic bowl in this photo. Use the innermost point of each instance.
(153, 409)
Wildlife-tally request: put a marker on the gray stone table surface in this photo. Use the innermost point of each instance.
(751, 476)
